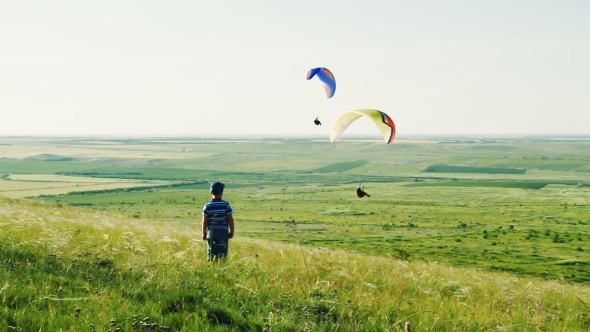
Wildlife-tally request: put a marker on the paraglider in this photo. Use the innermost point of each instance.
(326, 77)
(361, 192)
(317, 121)
(382, 120)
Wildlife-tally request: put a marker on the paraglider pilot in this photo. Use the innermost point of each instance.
(218, 223)
(317, 121)
(361, 192)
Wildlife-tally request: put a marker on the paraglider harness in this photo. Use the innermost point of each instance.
(361, 192)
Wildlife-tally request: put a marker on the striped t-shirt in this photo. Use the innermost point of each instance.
(217, 211)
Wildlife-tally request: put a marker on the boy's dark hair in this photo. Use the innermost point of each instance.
(217, 188)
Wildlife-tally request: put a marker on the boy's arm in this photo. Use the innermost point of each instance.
(205, 222)
(230, 222)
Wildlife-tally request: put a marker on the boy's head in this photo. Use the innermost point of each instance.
(216, 188)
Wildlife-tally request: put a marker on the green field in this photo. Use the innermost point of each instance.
(472, 169)
(497, 184)
(487, 217)
(341, 167)
(449, 214)
(32, 185)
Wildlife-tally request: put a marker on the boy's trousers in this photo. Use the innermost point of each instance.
(217, 243)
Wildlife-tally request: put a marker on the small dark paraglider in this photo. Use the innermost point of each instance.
(361, 192)
(317, 121)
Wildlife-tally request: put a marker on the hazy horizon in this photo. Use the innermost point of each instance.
(316, 137)
(227, 68)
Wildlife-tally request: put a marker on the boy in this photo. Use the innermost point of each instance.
(218, 223)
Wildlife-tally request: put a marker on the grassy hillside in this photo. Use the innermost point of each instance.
(495, 225)
(76, 269)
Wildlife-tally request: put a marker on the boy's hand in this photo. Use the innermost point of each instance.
(204, 236)
(231, 235)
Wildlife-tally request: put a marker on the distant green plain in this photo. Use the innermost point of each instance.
(519, 206)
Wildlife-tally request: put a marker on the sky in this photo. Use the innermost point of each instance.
(193, 68)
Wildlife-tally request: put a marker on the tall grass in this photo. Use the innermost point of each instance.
(75, 269)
